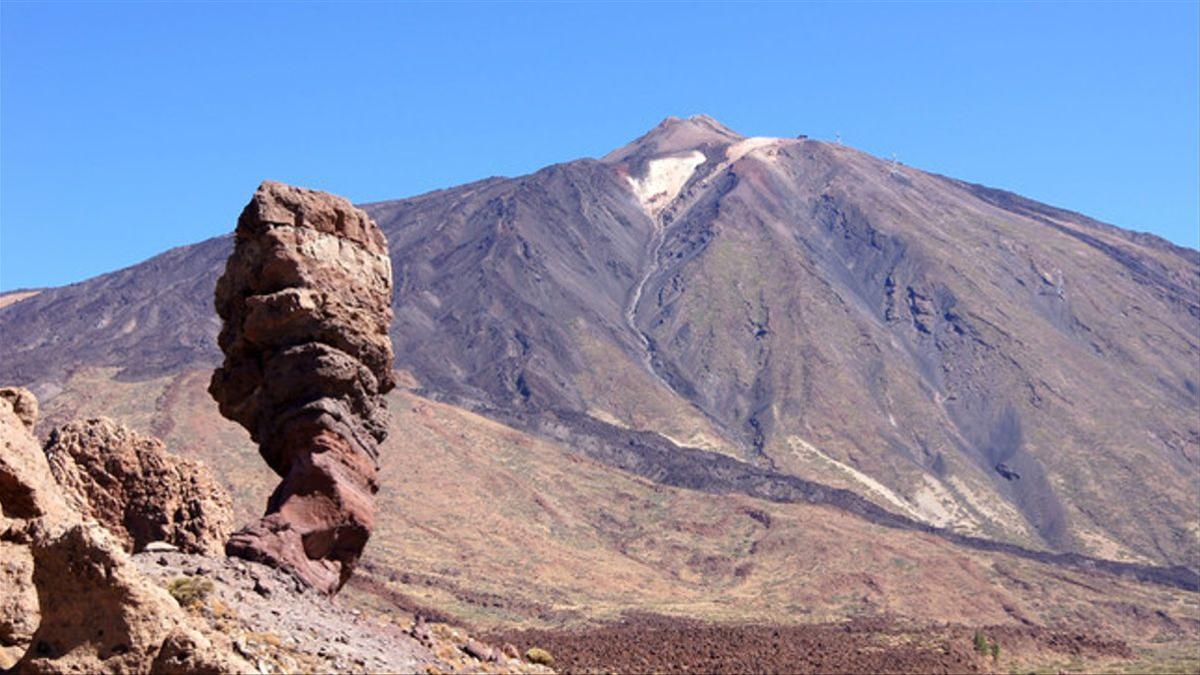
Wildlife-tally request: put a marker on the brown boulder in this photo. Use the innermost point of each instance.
(18, 602)
(135, 488)
(71, 600)
(99, 614)
(27, 491)
(27, 486)
(23, 403)
(306, 304)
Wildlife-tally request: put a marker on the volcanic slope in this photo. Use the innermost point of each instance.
(495, 528)
(958, 355)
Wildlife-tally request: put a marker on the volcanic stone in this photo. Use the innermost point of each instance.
(306, 304)
(136, 489)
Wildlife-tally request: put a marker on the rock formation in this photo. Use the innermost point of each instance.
(71, 599)
(136, 489)
(27, 492)
(306, 304)
(23, 403)
(99, 613)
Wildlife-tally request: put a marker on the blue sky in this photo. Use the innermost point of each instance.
(129, 128)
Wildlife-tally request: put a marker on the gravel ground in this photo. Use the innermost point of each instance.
(652, 643)
(280, 626)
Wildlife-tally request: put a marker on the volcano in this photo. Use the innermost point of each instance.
(783, 327)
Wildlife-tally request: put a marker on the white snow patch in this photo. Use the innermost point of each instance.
(664, 178)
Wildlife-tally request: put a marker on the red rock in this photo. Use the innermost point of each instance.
(306, 304)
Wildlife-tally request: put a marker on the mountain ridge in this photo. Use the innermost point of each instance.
(515, 292)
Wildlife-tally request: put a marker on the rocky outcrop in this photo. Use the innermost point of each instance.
(100, 614)
(23, 403)
(71, 599)
(136, 489)
(18, 602)
(306, 304)
(27, 492)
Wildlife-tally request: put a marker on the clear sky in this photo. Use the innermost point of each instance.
(129, 128)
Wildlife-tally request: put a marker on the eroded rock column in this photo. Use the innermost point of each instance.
(306, 304)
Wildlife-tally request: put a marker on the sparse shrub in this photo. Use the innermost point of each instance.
(981, 642)
(189, 591)
(985, 646)
(539, 656)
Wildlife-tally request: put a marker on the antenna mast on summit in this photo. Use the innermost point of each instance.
(837, 137)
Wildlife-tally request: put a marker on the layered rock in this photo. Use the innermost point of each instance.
(136, 489)
(306, 304)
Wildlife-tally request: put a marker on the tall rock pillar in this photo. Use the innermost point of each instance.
(306, 304)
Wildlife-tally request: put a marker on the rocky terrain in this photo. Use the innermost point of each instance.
(75, 600)
(749, 381)
(650, 643)
(281, 626)
(138, 491)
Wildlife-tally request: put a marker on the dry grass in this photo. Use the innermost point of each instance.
(190, 591)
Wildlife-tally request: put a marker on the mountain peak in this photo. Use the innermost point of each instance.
(675, 135)
(698, 122)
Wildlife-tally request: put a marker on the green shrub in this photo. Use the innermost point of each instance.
(985, 646)
(189, 591)
(539, 655)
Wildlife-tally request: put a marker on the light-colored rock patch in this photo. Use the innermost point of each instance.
(938, 506)
(1001, 513)
(15, 297)
(664, 178)
(874, 490)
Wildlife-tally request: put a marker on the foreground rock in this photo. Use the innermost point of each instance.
(72, 601)
(27, 493)
(136, 489)
(306, 304)
(100, 614)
